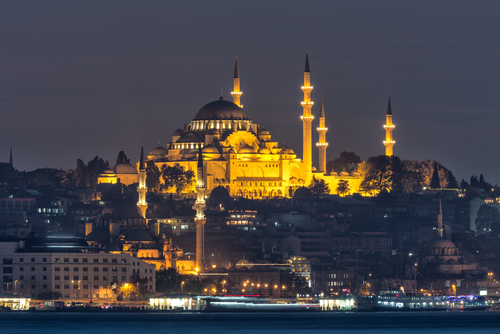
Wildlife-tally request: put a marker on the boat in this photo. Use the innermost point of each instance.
(468, 303)
(394, 300)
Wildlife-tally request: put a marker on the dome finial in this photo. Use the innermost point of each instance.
(322, 110)
(389, 109)
(221, 95)
(236, 69)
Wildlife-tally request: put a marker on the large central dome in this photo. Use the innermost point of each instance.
(221, 110)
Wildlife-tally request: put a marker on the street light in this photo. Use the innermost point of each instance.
(182, 287)
(15, 287)
(223, 283)
(490, 275)
(415, 279)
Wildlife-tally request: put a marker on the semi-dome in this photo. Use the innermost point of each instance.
(179, 132)
(159, 151)
(107, 170)
(247, 150)
(210, 149)
(221, 110)
(264, 150)
(286, 150)
(263, 132)
(125, 168)
(137, 234)
(189, 137)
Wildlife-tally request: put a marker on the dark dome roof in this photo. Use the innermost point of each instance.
(137, 234)
(125, 168)
(122, 209)
(159, 151)
(111, 248)
(303, 192)
(179, 132)
(263, 132)
(221, 109)
(97, 236)
(189, 137)
(439, 243)
(219, 192)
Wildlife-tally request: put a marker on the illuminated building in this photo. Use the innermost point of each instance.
(389, 127)
(240, 155)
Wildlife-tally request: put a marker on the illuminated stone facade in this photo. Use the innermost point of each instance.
(240, 155)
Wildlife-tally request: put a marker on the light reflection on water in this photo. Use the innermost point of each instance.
(185, 323)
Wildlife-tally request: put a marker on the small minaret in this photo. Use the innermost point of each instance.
(200, 219)
(11, 163)
(322, 144)
(236, 93)
(307, 119)
(389, 127)
(142, 189)
(440, 219)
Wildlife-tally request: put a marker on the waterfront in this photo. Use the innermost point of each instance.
(429, 322)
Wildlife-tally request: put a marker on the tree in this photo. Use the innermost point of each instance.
(411, 181)
(464, 184)
(138, 283)
(383, 174)
(488, 220)
(122, 158)
(347, 161)
(343, 187)
(176, 177)
(152, 176)
(86, 175)
(168, 281)
(319, 187)
(67, 178)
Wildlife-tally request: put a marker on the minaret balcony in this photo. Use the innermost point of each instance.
(307, 88)
(307, 117)
(236, 93)
(389, 142)
(389, 126)
(321, 144)
(322, 129)
(310, 103)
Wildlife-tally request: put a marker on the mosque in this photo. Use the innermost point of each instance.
(241, 156)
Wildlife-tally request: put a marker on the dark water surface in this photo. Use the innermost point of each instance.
(184, 323)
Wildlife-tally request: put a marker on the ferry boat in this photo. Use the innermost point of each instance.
(469, 303)
(394, 300)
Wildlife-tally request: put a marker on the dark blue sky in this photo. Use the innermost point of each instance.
(86, 78)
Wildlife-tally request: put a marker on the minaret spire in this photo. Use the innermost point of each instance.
(199, 219)
(142, 189)
(440, 219)
(11, 162)
(389, 127)
(307, 119)
(322, 144)
(236, 93)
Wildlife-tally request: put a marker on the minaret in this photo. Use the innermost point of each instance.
(200, 219)
(11, 163)
(142, 189)
(440, 219)
(322, 144)
(236, 93)
(307, 119)
(389, 127)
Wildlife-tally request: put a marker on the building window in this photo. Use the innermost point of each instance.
(124, 278)
(33, 278)
(45, 286)
(85, 287)
(44, 269)
(57, 278)
(66, 278)
(114, 269)
(114, 260)
(75, 269)
(105, 269)
(32, 268)
(32, 259)
(57, 286)
(85, 260)
(57, 260)
(75, 260)
(33, 286)
(66, 259)
(96, 268)
(44, 259)
(124, 270)
(96, 287)
(96, 260)
(85, 269)
(57, 269)
(105, 260)
(21, 268)
(85, 278)
(44, 278)
(75, 278)
(96, 278)
(105, 278)
(124, 260)
(66, 268)
(21, 260)
(66, 286)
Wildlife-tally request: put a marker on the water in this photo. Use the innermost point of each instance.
(276, 323)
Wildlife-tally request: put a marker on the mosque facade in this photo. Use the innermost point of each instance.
(242, 156)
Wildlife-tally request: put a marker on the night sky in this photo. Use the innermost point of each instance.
(86, 78)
